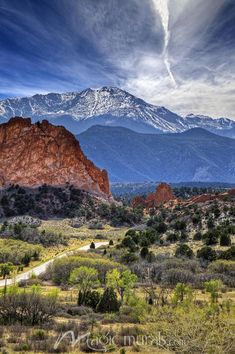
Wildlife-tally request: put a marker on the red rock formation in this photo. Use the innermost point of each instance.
(163, 194)
(231, 192)
(150, 201)
(203, 198)
(138, 202)
(34, 154)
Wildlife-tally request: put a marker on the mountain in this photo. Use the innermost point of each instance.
(109, 106)
(220, 126)
(194, 155)
(36, 154)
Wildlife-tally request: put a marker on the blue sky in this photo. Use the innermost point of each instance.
(176, 53)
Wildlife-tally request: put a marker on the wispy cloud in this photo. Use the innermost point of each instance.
(177, 53)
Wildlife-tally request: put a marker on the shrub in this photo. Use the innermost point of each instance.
(197, 236)
(79, 310)
(161, 227)
(211, 237)
(180, 225)
(225, 240)
(18, 252)
(144, 252)
(129, 257)
(60, 270)
(27, 307)
(222, 267)
(172, 277)
(181, 293)
(184, 251)
(173, 237)
(213, 287)
(207, 253)
(228, 254)
(128, 242)
(39, 334)
(91, 299)
(135, 309)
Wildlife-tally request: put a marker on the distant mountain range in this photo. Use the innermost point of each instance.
(109, 106)
(194, 155)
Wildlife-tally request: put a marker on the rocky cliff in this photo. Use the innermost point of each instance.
(36, 154)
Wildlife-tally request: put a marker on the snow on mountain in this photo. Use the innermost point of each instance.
(77, 111)
(208, 122)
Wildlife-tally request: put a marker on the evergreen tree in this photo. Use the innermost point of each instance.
(109, 301)
(225, 240)
(92, 245)
(144, 252)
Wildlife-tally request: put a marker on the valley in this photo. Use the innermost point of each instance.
(117, 176)
(161, 282)
(149, 268)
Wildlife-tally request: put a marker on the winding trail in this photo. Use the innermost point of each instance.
(42, 267)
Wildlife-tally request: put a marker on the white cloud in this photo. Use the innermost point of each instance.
(134, 44)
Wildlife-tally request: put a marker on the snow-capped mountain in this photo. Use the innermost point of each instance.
(221, 126)
(112, 106)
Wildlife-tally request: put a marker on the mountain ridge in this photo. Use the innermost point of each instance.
(196, 155)
(110, 106)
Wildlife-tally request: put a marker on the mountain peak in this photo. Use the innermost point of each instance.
(107, 105)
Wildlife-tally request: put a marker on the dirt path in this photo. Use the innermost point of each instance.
(42, 267)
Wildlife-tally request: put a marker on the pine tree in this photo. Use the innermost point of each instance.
(92, 245)
(144, 252)
(225, 240)
(109, 301)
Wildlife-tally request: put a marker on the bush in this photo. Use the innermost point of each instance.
(223, 267)
(225, 240)
(184, 251)
(61, 268)
(135, 309)
(180, 225)
(31, 308)
(144, 252)
(197, 236)
(18, 252)
(173, 237)
(172, 277)
(211, 237)
(79, 310)
(91, 299)
(207, 253)
(31, 234)
(39, 334)
(129, 257)
(228, 254)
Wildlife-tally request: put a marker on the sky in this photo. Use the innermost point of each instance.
(176, 53)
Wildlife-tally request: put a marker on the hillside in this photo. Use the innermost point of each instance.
(195, 155)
